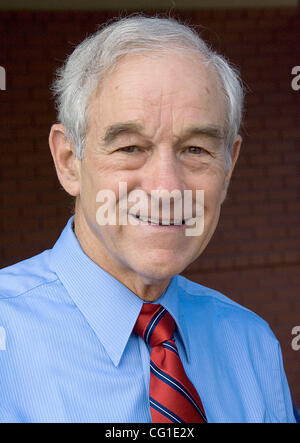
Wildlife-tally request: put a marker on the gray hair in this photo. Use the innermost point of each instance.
(98, 54)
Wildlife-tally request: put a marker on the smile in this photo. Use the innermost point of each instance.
(158, 222)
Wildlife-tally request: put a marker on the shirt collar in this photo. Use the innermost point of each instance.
(109, 307)
(171, 299)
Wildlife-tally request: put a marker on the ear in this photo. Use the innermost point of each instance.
(234, 157)
(66, 163)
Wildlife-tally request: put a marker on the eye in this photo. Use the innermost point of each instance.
(129, 149)
(195, 150)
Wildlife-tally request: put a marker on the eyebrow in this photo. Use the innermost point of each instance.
(209, 131)
(113, 131)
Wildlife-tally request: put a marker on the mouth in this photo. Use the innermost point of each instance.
(158, 222)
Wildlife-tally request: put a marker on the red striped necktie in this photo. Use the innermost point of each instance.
(173, 398)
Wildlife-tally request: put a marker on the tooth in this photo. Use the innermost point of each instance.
(160, 222)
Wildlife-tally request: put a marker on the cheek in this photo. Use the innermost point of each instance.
(96, 174)
(212, 183)
(90, 184)
(87, 183)
(213, 194)
(96, 178)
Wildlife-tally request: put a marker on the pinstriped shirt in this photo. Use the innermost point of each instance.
(68, 354)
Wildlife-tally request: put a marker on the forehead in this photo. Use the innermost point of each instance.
(159, 89)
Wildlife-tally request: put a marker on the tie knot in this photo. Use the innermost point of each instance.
(154, 324)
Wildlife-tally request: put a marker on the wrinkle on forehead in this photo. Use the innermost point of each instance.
(165, 92)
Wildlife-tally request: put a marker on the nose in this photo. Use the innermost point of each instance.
(163, 172)
(164, 184)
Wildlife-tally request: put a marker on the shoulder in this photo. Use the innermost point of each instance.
(219, 310)
(25, 276)
(232, 340)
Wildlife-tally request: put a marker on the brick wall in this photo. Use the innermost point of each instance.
(254, 256)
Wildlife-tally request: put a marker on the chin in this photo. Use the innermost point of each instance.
(160, 269)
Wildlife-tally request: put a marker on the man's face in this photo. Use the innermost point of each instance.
(154, 124)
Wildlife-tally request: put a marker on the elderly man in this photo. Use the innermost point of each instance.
(101, 328)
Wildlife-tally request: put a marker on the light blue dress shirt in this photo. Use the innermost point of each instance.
(67, 352)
